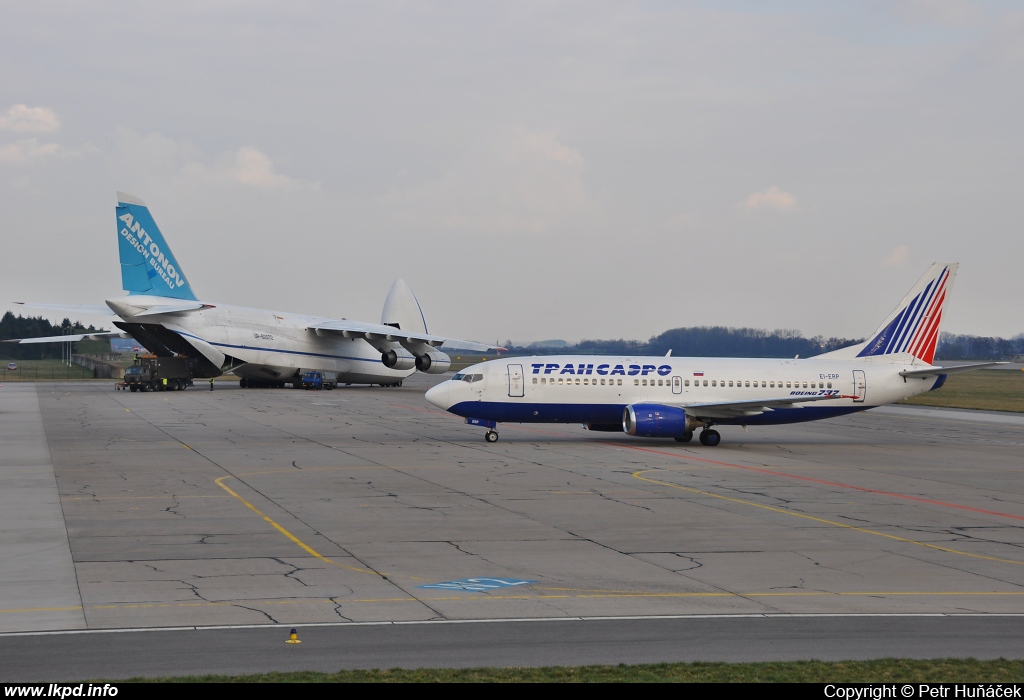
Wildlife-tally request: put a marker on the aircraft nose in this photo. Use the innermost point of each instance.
(438, 395)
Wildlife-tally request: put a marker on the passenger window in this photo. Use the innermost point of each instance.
(829, 385)
(619, 382)
(687, 382)
(730, 382)
(577, 382)
(705, 382)
(534, 380)
(636, 382)
(661, 382)
(602, 382)
(805, 385)
(771, 384)
(559, 380)
(763, 384)
(746, 383)
(789, 385)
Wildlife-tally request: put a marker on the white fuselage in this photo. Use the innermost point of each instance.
(595, 390)
(274, 345)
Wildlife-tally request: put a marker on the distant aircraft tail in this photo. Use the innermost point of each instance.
(147, 264)
(402, 309)
(913, 326)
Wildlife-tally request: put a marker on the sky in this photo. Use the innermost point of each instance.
(533, 170)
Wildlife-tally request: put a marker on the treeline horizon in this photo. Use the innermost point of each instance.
(722, 341)
(19, 326)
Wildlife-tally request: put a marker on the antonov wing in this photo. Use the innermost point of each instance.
(378, 334)
(754, 407)
(69, 338)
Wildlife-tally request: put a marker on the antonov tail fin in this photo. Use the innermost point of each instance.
(402, 309)
(913, 326)
(147, 264)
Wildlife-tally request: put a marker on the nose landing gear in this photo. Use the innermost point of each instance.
(491, 436)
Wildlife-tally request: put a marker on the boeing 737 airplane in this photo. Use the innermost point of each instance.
(672, 397)
(261, 347)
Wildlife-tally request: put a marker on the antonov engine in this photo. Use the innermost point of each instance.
(433, 362)
(398, 359)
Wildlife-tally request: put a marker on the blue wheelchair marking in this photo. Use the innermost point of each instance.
(478, 585)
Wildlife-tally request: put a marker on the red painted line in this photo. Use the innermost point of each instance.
(825, 482)
(758, 470)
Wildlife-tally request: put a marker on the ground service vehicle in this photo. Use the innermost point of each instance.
(153, 373)
(319, 380)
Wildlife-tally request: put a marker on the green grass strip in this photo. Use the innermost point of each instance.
(879, 671)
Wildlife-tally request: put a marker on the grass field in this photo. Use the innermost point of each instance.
(988, 390)
(881, 671)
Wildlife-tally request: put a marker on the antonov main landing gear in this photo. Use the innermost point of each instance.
(491, 436)
(709, 437)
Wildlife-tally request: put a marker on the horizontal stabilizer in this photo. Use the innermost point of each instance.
(69, 338)
(173, 309)
(91, 309)
(937, 371)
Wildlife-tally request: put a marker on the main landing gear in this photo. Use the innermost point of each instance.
(491, 436)
(709, 437)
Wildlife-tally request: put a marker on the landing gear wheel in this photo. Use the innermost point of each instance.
(685, 437)
(491, 436)
(711, 438)
(242, 383)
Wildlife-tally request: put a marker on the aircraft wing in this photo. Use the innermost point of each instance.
(936, 371)
(69, 338)
(754, 407)
(377, 334)
(92, 309)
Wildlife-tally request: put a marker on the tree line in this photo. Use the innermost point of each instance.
(19, 326)
(721, 341)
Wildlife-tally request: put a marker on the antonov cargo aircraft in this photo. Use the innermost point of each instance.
(672, 397)
(261, 347)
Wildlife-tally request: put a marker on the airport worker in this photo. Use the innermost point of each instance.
(211, 383)
(165, 383)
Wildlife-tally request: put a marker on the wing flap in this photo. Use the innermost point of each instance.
(753, 407)
(377, 334)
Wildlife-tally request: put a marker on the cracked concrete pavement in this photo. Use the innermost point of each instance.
(274, 506)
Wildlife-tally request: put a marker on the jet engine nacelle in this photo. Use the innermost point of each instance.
(398, 359)
(655, 420)
(433, 362)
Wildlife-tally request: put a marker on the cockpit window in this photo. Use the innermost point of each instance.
(475, 377)
(458, 377)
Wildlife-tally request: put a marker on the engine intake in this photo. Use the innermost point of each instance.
(400, 359)
(433, 362)
(655, 420)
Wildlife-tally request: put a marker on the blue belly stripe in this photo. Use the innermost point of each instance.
(603, 414)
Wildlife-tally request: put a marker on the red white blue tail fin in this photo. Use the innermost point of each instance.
(913, 326)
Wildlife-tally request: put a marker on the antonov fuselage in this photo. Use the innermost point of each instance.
(261, 346)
